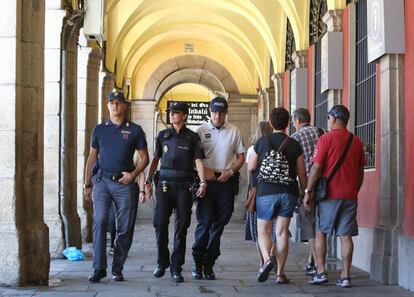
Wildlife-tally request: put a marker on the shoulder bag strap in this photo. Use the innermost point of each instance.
(284, 144)
(341, 160)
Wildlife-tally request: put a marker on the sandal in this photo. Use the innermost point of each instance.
(282, 279)
(264, 271)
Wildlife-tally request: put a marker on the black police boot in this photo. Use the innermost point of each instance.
(97, 275)
(197, 270)
(117, 276)
(209, 273)
(177, 277)
(159, 271)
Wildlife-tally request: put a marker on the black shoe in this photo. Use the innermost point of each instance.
(159, 272)
(197, 271)
(97, 275)
(209, 273)
(117, 276)
(177, 277)
(264, 271)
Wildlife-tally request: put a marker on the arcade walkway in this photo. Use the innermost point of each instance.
(235, 271)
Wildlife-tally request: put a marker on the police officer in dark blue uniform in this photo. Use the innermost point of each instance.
(113, 144)
(178, 148)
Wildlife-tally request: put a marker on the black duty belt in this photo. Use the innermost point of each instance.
(178, 174)
(112, 175)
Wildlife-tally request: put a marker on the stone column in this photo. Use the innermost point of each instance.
(88, 90)
(101, 78)
(24, 235)
(277, 79)
(53, 28)
(333, 37)
(262, 101)
(242, 115)
(142, 113)
(107, 87)
(384, 259)
(68, 141)
(299, 80)
(270, 93)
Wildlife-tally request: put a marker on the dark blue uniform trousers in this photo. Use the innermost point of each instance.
(177, 197)
(213, 213)
(125, 199)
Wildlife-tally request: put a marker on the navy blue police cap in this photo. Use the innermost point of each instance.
(178, 107)
(116, 95)
(219, 104)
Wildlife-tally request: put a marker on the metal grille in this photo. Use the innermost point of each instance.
(317, 27)
(290, 46)
(365, 118)
(321, 100)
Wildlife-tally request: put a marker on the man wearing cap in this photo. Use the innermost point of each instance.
(223, 146)
(336, 214)
(178, 148)
(113, 145)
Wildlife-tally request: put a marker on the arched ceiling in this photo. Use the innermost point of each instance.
(243, 36)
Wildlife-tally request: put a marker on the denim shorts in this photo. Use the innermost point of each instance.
(271, 206)
(337, 216)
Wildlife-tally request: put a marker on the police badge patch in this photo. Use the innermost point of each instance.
(165, 148)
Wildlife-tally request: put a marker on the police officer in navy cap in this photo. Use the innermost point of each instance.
(113, 145)
(178, 149)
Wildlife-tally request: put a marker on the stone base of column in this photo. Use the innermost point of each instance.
(74, 227)
(86, 220)
(56, 240)
(23, 263)
(37, 257)
(384, 259)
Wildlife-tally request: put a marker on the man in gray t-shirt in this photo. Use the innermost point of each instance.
(224, 150)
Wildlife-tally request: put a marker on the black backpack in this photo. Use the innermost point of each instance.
(274, 167)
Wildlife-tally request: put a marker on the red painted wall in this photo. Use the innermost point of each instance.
(311, 98)
(286, 90)
(369, 196)
(408, 223)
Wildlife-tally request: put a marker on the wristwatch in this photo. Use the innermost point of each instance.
(87, 186)
(307, 191)
(203, 184)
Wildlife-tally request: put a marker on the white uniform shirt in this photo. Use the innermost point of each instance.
(220, 145)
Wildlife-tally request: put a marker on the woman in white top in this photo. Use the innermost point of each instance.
(263, 129)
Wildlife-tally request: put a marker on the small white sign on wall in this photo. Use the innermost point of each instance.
(385, 24)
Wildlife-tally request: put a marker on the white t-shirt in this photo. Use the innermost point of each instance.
(220, 145)
(249, 153)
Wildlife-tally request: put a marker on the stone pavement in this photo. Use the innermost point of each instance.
(235, 270)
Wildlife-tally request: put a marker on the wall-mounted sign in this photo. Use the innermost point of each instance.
(198, 113)
(385, 34)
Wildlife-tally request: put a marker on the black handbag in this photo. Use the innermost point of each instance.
(321, 187)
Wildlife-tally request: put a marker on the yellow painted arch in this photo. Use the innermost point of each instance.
(224, 40)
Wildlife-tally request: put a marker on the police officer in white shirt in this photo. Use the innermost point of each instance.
(224, 150)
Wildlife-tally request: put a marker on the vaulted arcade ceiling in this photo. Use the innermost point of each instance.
(246, 37)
